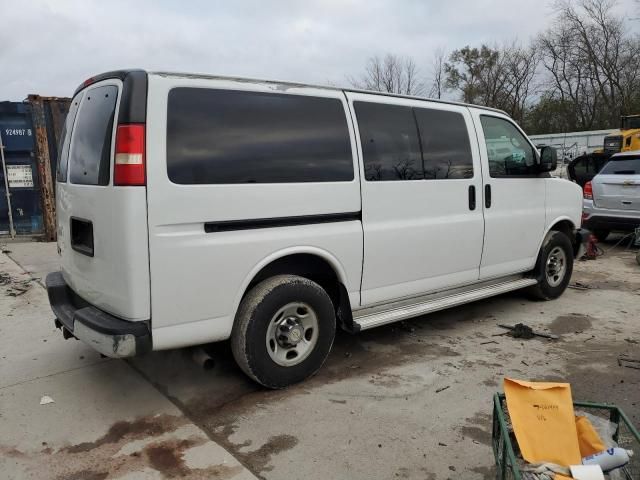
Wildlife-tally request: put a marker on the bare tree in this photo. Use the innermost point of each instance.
(437, 73)
(391, 74)
(580, 74)
(500, 77)
(593, 64)
(520, 71)
(478, 74)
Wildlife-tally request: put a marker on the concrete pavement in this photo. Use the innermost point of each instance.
(106, 420)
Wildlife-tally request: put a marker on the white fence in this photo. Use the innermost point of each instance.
(573, 144)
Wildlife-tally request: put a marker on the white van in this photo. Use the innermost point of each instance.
(193, 209)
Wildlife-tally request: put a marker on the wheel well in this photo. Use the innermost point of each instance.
(314, 268)
(567, 227)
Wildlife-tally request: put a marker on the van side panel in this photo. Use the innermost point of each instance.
(198, 269)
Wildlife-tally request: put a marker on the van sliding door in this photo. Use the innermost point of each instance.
(423, 225)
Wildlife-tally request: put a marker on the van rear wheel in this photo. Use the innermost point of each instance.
(283, 331)
(554, 267)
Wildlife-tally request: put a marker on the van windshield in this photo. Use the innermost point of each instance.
(90, 151)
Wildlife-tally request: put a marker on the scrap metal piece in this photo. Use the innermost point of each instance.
(521, 330)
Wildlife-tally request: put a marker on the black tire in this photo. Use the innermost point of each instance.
(550, 287)
(254, 316)
(601, 234)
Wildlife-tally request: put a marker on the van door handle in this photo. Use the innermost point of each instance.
(487, 196)
(472, 197)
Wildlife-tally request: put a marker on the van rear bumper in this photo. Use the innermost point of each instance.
(109, 335)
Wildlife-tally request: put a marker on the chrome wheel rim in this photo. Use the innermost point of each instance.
(292, 334)
(556, 266)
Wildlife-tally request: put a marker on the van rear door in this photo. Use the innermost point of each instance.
(102, 227)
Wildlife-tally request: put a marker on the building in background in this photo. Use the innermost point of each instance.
(29, 135)
(572, 144)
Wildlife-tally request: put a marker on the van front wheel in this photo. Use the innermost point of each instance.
(283, 331)
(554, 267)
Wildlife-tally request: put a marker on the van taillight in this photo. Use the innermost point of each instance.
(587, 191)
(130, 159)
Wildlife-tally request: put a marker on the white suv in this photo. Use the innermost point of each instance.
(194, 209)
(612, 197)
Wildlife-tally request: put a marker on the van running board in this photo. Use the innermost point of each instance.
(365, 321)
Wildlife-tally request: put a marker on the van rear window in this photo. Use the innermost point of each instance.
(230, 137)
(65, 138)
(90, 152)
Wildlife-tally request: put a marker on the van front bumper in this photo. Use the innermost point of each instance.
(109, 335)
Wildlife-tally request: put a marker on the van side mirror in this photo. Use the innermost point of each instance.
(548, 158)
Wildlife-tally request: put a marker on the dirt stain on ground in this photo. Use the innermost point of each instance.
(422, 473)
(142, 427)
(478, 428)
(102, 458)
(260, 459)
(488, 473)
(87, 475)
(11, 452)
(573, 323)
(168, 457)
(603, 281)
(490, 382)
(220, 421)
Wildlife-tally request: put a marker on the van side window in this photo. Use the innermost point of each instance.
(509, 152)
(445, 144)
(65, 139)
(389, 141)
(90, 154)
(231, 137)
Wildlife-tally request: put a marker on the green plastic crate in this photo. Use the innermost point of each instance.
(505, 447)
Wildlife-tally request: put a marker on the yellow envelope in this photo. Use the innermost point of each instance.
(543, 421)
(588, 439)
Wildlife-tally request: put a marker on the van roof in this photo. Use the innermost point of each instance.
(121, 74)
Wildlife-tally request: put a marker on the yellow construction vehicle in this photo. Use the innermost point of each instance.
(584, 167)
(627, 139)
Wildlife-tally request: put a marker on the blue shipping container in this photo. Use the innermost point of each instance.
(21, 168)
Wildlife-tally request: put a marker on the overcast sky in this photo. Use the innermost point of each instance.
(48, 47)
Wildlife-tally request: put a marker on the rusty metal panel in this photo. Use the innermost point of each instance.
(48, 116)
(55, 113)
(44, 168)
